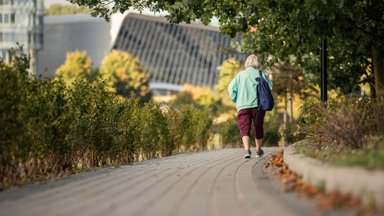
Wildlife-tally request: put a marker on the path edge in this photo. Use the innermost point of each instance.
(366, 184)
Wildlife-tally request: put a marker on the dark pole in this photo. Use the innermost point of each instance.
(324, 73)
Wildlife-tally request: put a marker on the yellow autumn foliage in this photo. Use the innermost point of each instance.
(77, 66)
(123, 74)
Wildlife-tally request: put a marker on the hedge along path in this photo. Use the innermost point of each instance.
(206, 183)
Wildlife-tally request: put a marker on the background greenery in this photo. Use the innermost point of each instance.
(49, 128)
(345, 131)
(88, 118)
(59, 9)
(288, 31)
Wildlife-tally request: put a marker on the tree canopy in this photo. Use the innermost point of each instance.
(77, 66)
(287, 30)
(228, 71)
(123, 74)
(59, 9)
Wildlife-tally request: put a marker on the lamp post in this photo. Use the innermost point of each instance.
(324, 72)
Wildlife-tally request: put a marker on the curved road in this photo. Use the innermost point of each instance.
(218, 182)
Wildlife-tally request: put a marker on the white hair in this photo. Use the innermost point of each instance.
(253, 61)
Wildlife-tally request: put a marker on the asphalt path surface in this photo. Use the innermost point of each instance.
(217, 182)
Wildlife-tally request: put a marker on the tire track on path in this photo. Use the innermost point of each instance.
(125, 199)
(179, 205)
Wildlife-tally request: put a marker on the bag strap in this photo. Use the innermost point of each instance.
(261, 75)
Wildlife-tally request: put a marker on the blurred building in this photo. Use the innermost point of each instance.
(21, 21)
(174, 54)
(68, 33)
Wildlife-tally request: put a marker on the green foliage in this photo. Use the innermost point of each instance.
(153, 134)
(59, 9)
(77, 66)
(228, 71)
(291, 133)
(349, 123)
(373, 109)
(370, 156)
(51, 129)
(188, 125)
(229, 133)
(271, 137)
(123, 75)
(199, 97)
(286, 31)
(271, 127)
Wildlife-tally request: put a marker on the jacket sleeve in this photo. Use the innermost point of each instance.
(232, 89)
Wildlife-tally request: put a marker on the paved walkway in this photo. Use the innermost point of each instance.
(219, 182)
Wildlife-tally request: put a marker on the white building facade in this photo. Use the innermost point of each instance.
(21, 22)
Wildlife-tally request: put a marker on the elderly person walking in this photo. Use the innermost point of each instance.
(242, 91)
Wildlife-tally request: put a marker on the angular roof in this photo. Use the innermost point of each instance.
(175, 54)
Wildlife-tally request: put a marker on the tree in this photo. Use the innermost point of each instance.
(292, 28)
(77, 66)
(59, 9)
(198, 96)
(228, 71)
(287, 31)
(123, 75)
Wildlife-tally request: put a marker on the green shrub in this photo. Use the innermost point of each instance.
(271, 137)
(203, 127)
(229, 133)
(291, 133)
(189, 127)
(348, 122)
(271, 127)
(372, 110)
(153, 130)
(49, 129)
(125, 145)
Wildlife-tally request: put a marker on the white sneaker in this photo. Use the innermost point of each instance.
(247, 154)
(259, 153)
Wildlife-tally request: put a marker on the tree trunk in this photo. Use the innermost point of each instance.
(378, 69)
(291, 105)
(285, 108)
(291, 97)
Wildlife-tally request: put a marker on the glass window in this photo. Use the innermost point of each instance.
(1, 36)
(1, 17)
(12, 18)
(6, 18)
(41, 20)
(41, 39)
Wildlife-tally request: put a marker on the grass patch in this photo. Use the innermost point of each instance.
(370, 156)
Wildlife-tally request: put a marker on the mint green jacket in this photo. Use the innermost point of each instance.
(242, 89)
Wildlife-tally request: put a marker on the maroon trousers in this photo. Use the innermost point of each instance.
(245, 117)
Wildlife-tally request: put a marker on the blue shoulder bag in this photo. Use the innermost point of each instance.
(264, 94)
